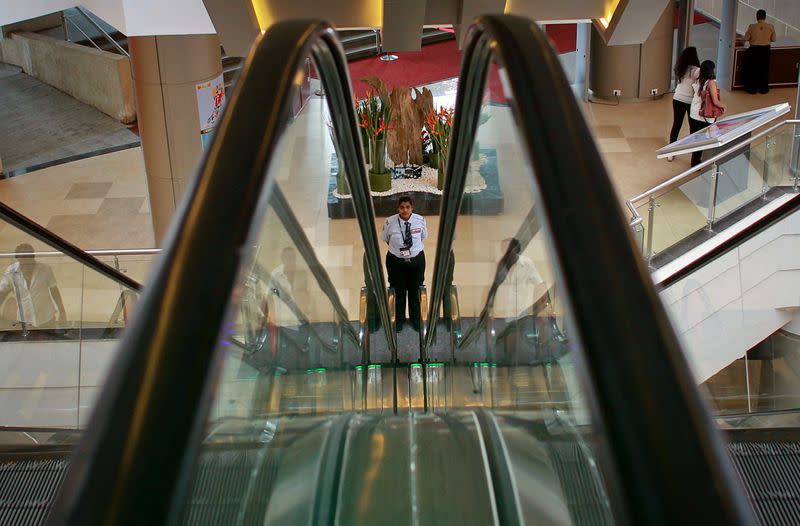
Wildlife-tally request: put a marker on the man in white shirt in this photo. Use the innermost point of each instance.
(405, 261)
(35, 289)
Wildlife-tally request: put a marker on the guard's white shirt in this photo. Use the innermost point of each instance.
(34, 303)
(393, 229)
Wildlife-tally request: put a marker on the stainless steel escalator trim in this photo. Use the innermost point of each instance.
(127, 469)
(329, 476)
(498, 466)
(51, 239)
(640, 389)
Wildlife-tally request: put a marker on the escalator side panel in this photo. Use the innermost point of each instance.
(449, 472)
(375, 485)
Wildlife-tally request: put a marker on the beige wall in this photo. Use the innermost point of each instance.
(783, 14)
(34, 24)
(98, 78)
(613, 67)
(656, 61)
(634, 68)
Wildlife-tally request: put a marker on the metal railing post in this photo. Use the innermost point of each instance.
(769, 144)
(794, 163)
(102, 31)
(651, 216)
(712, 195)
(423, 332)
(390, 301)
(363, 341)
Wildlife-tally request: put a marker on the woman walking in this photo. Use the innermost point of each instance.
(687, 69)
(706, 83)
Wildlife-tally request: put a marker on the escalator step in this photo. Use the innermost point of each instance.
(229, 483)
(585, 498)
(769, 474)
(27, 489)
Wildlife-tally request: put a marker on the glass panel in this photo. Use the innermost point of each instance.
(681, 212)
(741, 179)
(291, 349)
(60, 323)
(521, 359)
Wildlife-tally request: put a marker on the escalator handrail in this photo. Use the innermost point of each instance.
(53, 240)
(660, 447)
(696, 171)
(134, 464)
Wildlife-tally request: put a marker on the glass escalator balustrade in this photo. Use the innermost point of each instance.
(292, 352)
(60, 322)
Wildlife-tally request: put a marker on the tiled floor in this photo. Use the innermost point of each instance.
(40, 124)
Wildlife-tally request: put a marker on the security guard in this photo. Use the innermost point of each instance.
(405, 261)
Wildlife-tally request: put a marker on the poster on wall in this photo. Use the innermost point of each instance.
(210, 101)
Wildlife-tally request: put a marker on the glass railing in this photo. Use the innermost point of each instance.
(692, 207)
(60, 322)
(299, 305)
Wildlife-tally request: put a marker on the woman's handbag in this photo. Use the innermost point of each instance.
(708, 109)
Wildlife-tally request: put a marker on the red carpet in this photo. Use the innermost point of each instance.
(440, 61)
(698, 18)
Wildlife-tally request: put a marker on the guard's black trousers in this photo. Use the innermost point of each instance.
(406, 276)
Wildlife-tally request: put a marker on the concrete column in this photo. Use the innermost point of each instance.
(685, 23)
(583, 59)
(166, 72)
(727, 38)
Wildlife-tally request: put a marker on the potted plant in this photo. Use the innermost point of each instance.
(376, 117)
(360, 112)
(439, 125)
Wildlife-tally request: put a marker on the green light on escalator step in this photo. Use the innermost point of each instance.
(416, 365)
(375, 366)
(494, 365)
(359, 367)
(436, 364)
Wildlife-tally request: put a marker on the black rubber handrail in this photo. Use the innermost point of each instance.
(57, 242)
(660, 449)
(135, 462)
